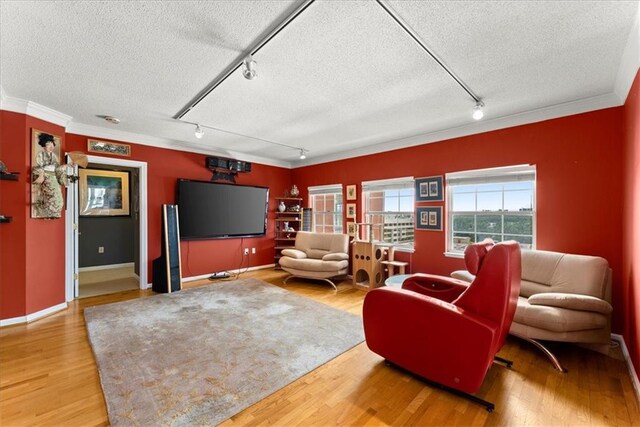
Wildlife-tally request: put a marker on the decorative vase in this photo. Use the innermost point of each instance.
(282, 207)
(294, 191)
(286, 226)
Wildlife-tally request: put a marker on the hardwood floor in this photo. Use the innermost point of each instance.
(48, 376)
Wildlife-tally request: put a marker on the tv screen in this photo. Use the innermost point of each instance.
(210, 210)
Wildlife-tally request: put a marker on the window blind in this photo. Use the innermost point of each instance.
(493, 176)
(388, 184)
(325, 189)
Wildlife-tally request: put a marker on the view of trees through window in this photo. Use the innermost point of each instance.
(503, 211)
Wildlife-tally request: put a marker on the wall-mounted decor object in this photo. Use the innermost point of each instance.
(351, 210)
(352, 229)
(429, 218)
(104, 193)
(104, 147)
(48, 176)
(429, 189)
(351, 192)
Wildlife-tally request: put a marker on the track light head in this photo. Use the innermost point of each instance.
(199, 133)
(249, 71)
(478, 113)
(302, 155)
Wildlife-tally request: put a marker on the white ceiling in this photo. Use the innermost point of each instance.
(341, 79)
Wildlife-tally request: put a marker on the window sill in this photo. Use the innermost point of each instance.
(454, 255)
(407, 249)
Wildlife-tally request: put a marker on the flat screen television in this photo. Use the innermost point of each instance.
(211, 210)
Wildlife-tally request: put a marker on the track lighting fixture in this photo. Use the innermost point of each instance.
(477, 111)
(302, 155)
(249, 71)
(199, 132)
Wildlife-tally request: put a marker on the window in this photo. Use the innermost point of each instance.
(388, 207)
(326, 205)
(497, 203)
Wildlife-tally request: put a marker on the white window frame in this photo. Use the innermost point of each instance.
(323, 191)
(382, 185)
(501, 175)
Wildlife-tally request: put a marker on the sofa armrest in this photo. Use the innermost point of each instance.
(336, 256)
(440, 287)
(463, 275)
(293, 253)
(571, 301)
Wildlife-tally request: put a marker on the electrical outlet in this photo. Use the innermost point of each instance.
(100, 249)
(246, 251)
(253, 250)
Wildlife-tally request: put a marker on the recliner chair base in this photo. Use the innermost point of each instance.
(552, 357)
(475, 399)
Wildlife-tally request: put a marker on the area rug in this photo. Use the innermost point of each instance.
(201, 355)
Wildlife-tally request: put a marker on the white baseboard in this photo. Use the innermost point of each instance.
(33, 316)
(627, 358)
(106, 267)
(206, 276)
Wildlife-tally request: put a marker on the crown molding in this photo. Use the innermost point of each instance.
(33, 109)
(152, 141)
(630, 62)
(547, 113)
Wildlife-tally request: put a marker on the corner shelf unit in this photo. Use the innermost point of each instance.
(285, 238)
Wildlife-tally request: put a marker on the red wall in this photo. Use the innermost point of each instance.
(33, 258)
(579, 197)
(199, 257)
(631, 224)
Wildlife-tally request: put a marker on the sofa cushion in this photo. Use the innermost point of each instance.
(571, 301)
(335, 257)
(557, 319)
(316, 253)
(293, 253)
(310, 264)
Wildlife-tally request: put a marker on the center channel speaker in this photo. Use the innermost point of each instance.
(212, 162)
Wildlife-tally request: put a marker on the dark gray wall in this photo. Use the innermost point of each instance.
(115, 234)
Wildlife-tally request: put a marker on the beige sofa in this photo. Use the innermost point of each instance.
(319, 256)
(563, 297)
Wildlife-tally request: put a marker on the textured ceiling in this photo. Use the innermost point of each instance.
(341, 78)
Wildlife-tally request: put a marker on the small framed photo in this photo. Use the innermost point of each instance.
(351, 210)
(104, 147)
(352, 229)
(429, 189)
(429, 218)
(351, 192)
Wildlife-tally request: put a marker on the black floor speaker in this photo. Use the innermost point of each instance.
(167, 276)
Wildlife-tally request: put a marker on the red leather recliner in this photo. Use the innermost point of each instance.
(446, 330)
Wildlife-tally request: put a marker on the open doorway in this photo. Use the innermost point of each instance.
(95, 259)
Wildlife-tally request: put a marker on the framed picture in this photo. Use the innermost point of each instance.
(429, 189)
(104, 193)
(429, 218)
(47, 175)
(351, 210)
(104, 147)
(351, 192)
(352, 228)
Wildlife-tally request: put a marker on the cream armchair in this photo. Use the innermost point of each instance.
(563, 297)
(319, 256)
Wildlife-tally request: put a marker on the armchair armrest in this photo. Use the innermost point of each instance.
(440, 287)
(336, 256)
(407, 329)
(293, 253)
(571, 301)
